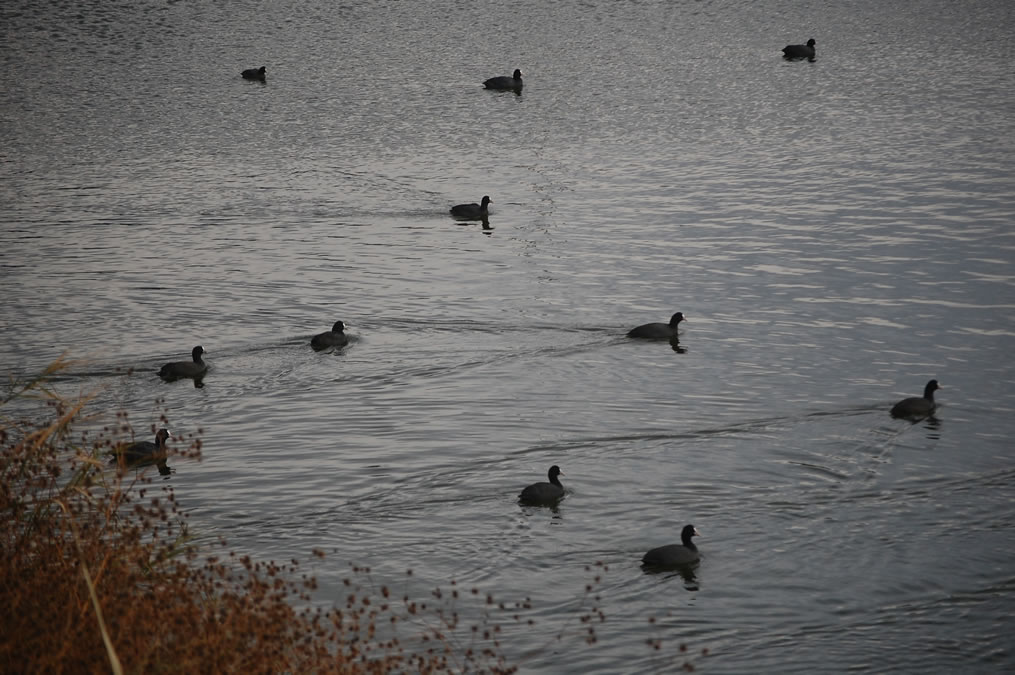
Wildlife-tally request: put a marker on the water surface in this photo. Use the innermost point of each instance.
(837, 232)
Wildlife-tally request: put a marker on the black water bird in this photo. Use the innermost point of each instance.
(657, 331)
(685, 553)
(505, 83)
(472, 211)
(917, 407)
(177, 369)
(335, 337)
(799, 51)
(145, 452)
(544, 493)
(254, 74)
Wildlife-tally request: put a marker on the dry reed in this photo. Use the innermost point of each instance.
(97, 573)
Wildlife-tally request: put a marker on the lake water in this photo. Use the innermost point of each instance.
(837, 232)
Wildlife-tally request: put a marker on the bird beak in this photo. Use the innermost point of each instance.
(696, 533)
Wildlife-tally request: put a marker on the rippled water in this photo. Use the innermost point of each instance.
(836, 232)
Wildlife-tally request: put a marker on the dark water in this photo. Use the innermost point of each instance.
(836, 232)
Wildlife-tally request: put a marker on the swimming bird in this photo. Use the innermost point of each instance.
(335, 337)
(657, 331)
(254, 74)
(799, 51)
(177, 369)
(917, 406)
(472, 211)
(505, 83)
(144, 452)
(675, 554)
(544, 493)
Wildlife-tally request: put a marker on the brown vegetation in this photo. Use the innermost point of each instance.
(96, 574)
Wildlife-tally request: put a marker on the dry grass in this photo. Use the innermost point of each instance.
(97, 574)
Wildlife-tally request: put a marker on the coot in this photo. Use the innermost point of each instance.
(335, 337)
(799, 51)
(505, 83)
(657, 331)
(177, 369)
(675, 554)
(472, 211)
(144, 452)
(917, 406)
(254, 74)
(544, 493)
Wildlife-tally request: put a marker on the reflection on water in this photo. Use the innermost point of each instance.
(687, 573)
(139, 465)
(933, 425)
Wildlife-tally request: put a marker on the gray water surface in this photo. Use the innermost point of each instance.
(837, 232)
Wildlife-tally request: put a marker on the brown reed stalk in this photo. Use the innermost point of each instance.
(114, 660)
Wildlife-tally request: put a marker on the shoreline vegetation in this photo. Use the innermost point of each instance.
(98, 573)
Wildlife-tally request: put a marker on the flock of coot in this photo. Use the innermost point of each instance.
(547, 493)
(686, 553)
(538, 494)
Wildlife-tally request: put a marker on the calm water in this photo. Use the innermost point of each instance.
(836, 232)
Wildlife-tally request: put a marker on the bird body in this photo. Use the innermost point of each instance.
(799, 51)
(254, 74)
(178, 369)
(144, 451)
(544, 493)
(657, 331)
(917, 406)
(335, 337)
(685, 553)
(505, 83)
(472, 211)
